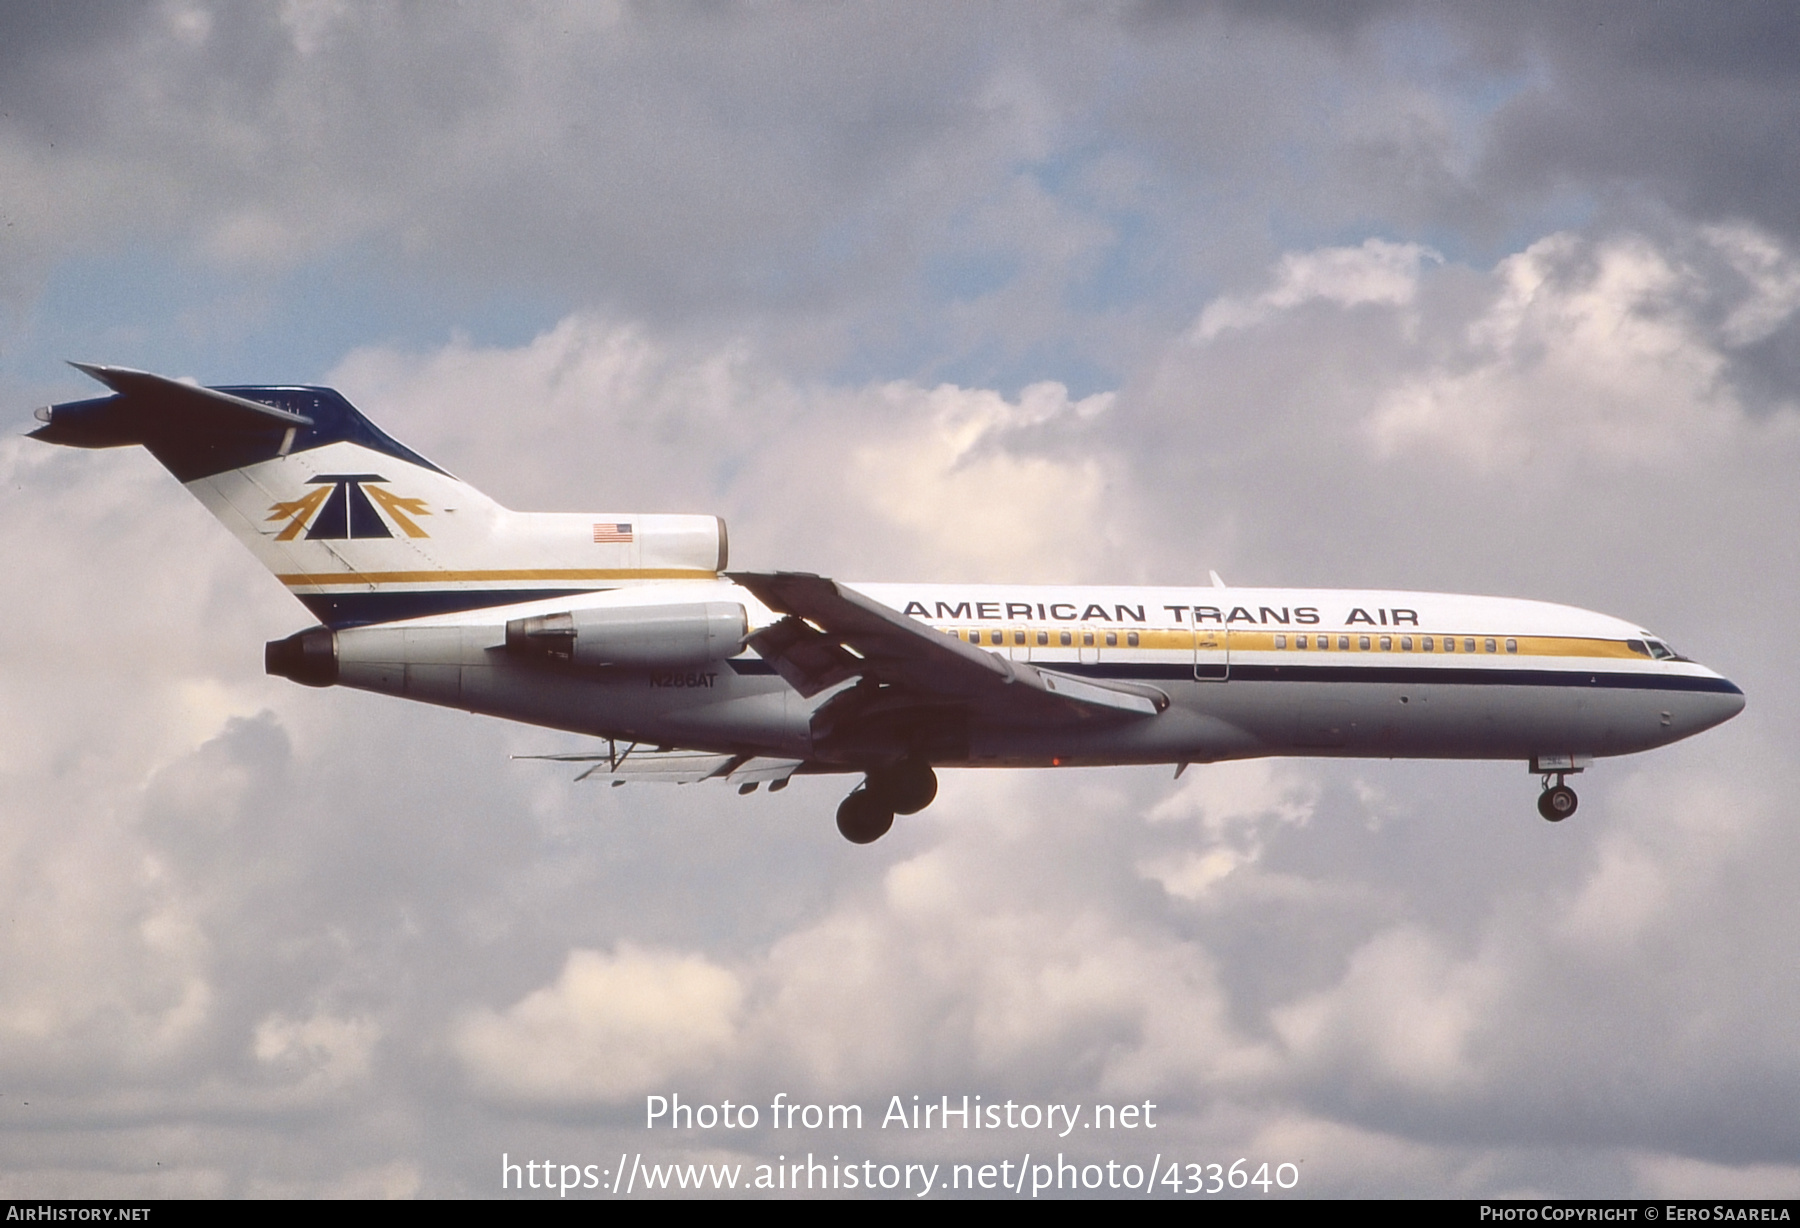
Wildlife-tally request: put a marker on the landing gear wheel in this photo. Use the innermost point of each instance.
(1558, 803)
(864, 817)
(908, 786)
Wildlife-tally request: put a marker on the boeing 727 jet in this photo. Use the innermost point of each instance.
(628, 627)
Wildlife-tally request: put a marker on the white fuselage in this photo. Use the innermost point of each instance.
(1247, 673)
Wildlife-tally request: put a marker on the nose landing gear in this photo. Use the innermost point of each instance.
(906, 787)
(1557, 802)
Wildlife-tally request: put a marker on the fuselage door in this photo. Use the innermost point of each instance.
(1212, 654)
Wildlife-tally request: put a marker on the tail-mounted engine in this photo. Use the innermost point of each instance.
(644, 636)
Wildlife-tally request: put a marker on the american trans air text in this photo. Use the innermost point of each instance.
(629, 628)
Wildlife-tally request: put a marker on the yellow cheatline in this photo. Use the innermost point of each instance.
(1183, 640)
(329, 579)
(1529, 645)
(1545, 646)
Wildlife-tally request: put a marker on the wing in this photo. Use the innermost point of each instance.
(636, 763)
(832, 634)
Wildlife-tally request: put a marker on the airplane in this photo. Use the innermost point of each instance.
(629, 627)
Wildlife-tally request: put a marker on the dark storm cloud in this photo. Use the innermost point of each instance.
(1699, 106)
(974, 191)
(38, 41)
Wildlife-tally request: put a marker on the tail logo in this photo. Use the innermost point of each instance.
(341, 508)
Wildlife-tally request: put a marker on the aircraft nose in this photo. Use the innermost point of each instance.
(1716, 707)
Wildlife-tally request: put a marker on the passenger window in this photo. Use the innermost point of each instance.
(1112, 639)
(1387, 643)
(1064, 639)
(994, 637)
(1406, 643)
(1131, 639)
(1362, 642)
(1299, 641)
(1468, 644)
(1018, 637)
(1281, 641)
(1087, 639)
(1344, 643)
(1426, 644)
(1043, 637)
(1487, 645)
(1512, 645)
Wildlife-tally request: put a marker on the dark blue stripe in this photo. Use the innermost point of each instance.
(334, 420)
(360, 609)
(1390, 674)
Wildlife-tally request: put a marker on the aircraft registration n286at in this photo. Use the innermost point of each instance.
(628, 627)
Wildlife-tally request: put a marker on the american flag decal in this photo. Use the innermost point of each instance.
(604, 533)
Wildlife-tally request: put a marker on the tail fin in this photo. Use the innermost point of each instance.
(361, 528)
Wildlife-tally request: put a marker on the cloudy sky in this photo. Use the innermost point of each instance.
(1504, 299)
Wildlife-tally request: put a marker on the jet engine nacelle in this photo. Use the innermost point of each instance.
(643, 636)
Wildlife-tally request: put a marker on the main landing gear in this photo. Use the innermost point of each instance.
(906, 787)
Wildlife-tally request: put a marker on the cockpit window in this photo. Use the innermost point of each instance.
(1638, 646)
(1654, 649)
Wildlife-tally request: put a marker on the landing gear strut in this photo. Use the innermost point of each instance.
(906, 787)
(1557, 802)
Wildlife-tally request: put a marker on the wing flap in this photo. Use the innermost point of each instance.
(809, 660)
(1140, 701)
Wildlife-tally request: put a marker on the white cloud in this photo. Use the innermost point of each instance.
(1589, 353)
(1406, 1011)
(324, 1051)
(1377, 273)
(611, 1026)
(1772, 273)
(943, 481)
(1232, 805)
(1666, 1176)
(976, 962)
